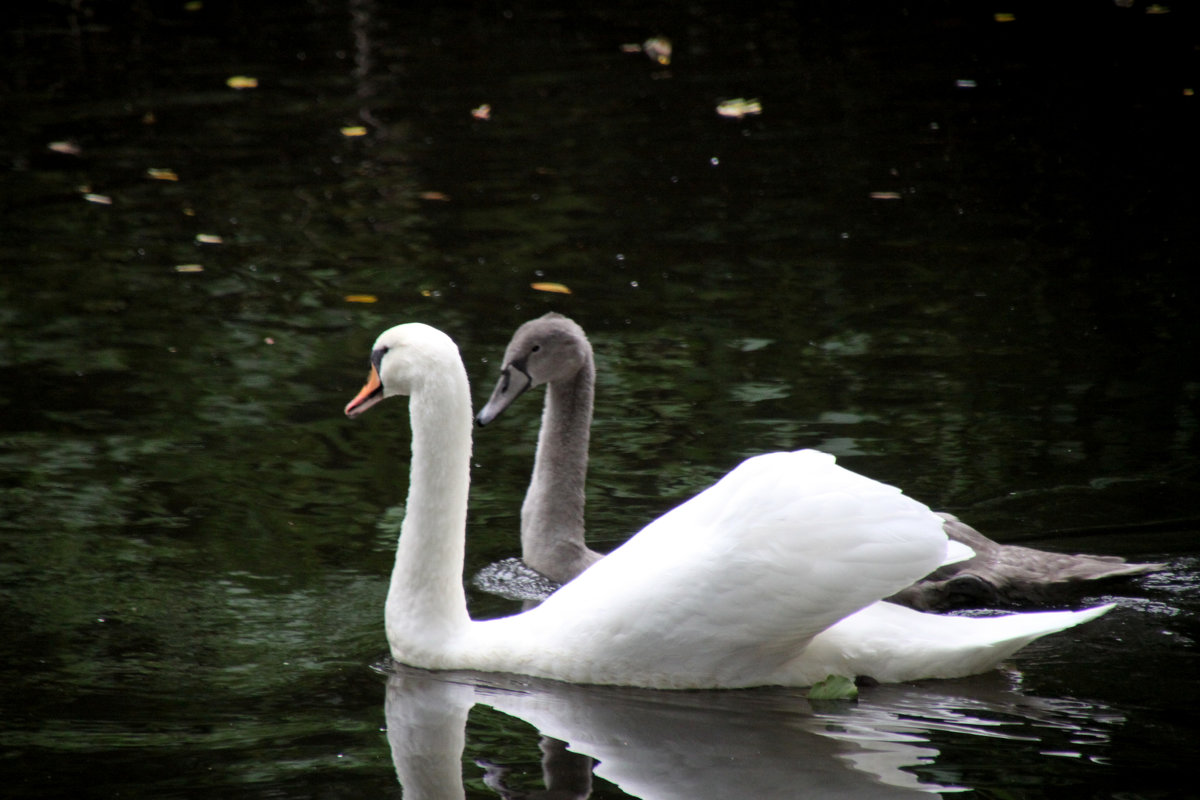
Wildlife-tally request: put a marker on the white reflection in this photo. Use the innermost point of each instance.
(720, 744)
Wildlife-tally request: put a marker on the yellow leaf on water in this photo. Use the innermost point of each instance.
(242, 82)
(658, 49)
(1004, 16)
(208, 238)
(556, 288)
(739, 107)
(482, 112)
(885, 195)
(162, 174)
(100, 199)
(439, 196)
(361, 298)
(189, 268)
(354, 130)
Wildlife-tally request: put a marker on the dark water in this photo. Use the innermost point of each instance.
(194, 542)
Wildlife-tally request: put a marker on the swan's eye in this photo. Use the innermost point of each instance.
(377, 357)
(535, 348)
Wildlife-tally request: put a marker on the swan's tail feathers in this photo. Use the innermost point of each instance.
(893, 644)
(979, 644)
(957, 552)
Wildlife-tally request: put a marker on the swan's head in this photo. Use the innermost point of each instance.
(543, 350)
(402, 360)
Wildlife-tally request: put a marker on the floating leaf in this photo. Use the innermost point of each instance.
(658, 49)
(965, 83)
(354, 130)
(101, 199)
(162, 174)
(242, 82)
(739, 107)
(482, 112)
(193, 5)
(556, 288)
(885, 195)
(189, 268)
(1004, 16)
(439, 196)
(361, 298)
(66, 148)
(208, 238)
(835, 687)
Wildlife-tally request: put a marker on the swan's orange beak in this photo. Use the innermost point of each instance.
(370, 394)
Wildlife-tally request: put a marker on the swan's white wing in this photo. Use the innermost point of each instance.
(736, 581)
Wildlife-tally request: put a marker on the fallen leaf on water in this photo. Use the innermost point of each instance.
(189, 268)
(1004, 16)
(834, 687)
(354, 130)
(208, 238)
(1155, 8)
(1189, 92)
(739, 107)
(242, 82)
(361, 298)
(556, 288)
(101, 199)
(658, 48)
(193, 5)
(885, 195)
(162, 174)
(482, 112)
(440, 196)
(66, 148)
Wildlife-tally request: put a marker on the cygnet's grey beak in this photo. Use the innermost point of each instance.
(514, 382)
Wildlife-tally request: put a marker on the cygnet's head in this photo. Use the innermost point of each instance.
(543, 350)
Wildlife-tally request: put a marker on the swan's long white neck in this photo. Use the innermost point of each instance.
(552, 523)
(426, 603)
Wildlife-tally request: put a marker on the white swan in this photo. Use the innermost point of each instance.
(734, 588)
(555, 351)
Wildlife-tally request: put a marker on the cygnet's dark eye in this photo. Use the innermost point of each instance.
(536, 347)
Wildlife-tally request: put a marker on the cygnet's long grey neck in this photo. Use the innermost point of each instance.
(552, 524)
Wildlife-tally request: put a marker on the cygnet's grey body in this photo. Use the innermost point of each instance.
(555, 351)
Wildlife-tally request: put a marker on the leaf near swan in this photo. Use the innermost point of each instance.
(835, 687)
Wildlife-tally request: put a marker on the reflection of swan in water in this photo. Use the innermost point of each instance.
(747, 743)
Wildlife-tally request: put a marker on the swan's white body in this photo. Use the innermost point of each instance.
(771, 576)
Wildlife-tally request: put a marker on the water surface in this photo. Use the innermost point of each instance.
(952, 250)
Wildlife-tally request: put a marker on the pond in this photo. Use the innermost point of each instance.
(952, 246)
